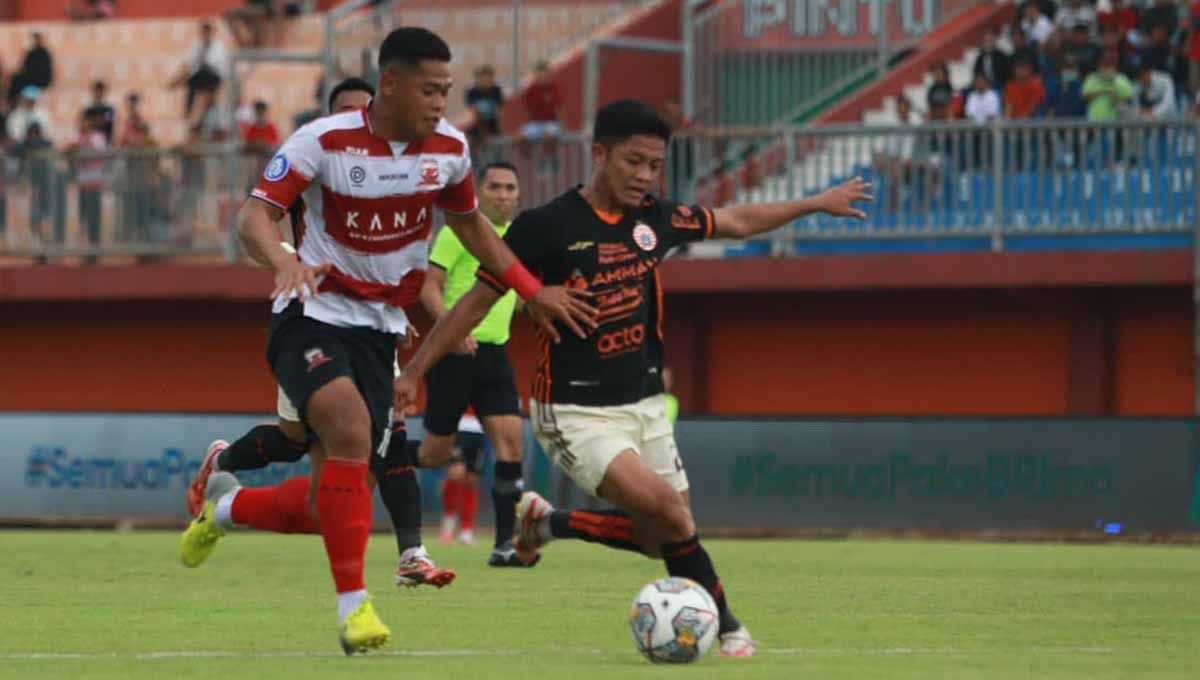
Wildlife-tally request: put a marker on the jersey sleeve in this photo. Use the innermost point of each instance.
(458, 196)
(446, 249)
(293, 168)
(530, 242)
(681, 223)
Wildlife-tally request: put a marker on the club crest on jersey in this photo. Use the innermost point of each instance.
(357, 175)
(644, 237)
(315, 358)
(277, 169)
(430, 172)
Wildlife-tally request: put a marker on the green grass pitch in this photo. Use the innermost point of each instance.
(119, 605)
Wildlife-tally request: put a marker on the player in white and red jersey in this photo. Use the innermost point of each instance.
(371, 180)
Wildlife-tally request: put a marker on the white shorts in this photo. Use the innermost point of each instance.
(287, 410)
(539, 129)
(584, 440)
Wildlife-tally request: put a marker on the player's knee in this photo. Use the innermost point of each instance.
(348, 440)
(675, 519)
(435, 451)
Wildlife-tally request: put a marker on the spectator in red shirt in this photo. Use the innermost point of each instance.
(543, 101)
(1024, 93)
(1121, 17)
(260, 135)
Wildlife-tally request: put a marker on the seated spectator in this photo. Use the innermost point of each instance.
(27, 114)
(897, 159)
(91, 10)
(1038, 29)
(1155, 93)
(543, 101)
(1164, 14)
(993, 61)
(206, 67)
(484, 98)
(983, 104)
(251, 23)
(261, 136)
(1025, 93)
(1065, 100)
(1023, 49)
(1127, 57)
(1107, 91)
(1120, 17)
(37, 69)
(1157, 53)
(1193, 43)
(1074, 14)
(1087, 53)
(99, 108)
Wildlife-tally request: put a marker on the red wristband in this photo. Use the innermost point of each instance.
(519, 279)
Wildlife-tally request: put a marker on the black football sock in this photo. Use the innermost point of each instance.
(609, 527)
(401, 493)
(261, 446)
(690, 560)
(506, 493)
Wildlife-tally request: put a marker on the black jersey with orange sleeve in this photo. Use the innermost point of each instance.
(616, 258)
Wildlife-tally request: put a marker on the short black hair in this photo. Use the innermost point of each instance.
(408, 45)
(349, 85)
(499, 165)
(620, 120)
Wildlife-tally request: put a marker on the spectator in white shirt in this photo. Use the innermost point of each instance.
(983, 103)
(1036, 26)
(206, 67)
(28, 112)
(1155, 94)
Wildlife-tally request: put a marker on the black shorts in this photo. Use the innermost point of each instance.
(306, 354)
(469, 450)
(484, 381)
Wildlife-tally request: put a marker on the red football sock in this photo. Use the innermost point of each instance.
(451, 497)
(468, 505)
(282, 509)
(344, 505)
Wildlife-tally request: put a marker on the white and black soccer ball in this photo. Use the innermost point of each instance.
(673, 620)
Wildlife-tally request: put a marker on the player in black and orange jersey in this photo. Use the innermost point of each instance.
(599, 410)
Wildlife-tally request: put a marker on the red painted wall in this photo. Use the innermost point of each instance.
(966, 352)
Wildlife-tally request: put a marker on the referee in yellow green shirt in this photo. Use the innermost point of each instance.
(479, 374)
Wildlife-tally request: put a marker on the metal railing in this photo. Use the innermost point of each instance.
(763, 62)
(995, 184)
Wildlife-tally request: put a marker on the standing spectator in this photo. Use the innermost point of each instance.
(1065, 100)
(1194, 50)
(140, 198)
(994, 63)
(251, 23)
(1164, 13)
(1022, 48)
(206, 66)
(89, 177)
(1025, 93)
(136, 131)
(28, 113)
(261, 136)
(1107, 91)
(99, 108)
(983, 104)
(1155, 94)
(1158, 53)
(1076, 13)
(37, 69)
(484, 98)
(939, 98)
(1128, 58)
(543, 101)
(1121, 17)
(38, 167)
(1087, 53)
(1038, 29)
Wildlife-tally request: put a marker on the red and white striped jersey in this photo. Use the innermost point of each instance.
(368, 209)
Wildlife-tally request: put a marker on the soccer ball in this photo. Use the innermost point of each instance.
(673, 620)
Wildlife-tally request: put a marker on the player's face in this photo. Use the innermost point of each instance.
(417, 94)
(350, 100)
(499, 194)
(629, 168)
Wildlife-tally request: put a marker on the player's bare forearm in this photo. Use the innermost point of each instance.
(743, 221)
(452, 328)
(258, 231)
(433, 293)
(479, 237)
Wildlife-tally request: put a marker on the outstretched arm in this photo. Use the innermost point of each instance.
(743, 221)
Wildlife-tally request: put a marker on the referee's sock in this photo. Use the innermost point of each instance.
(261, 446)
(690, 560)
(506, 493)
(608, 527)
